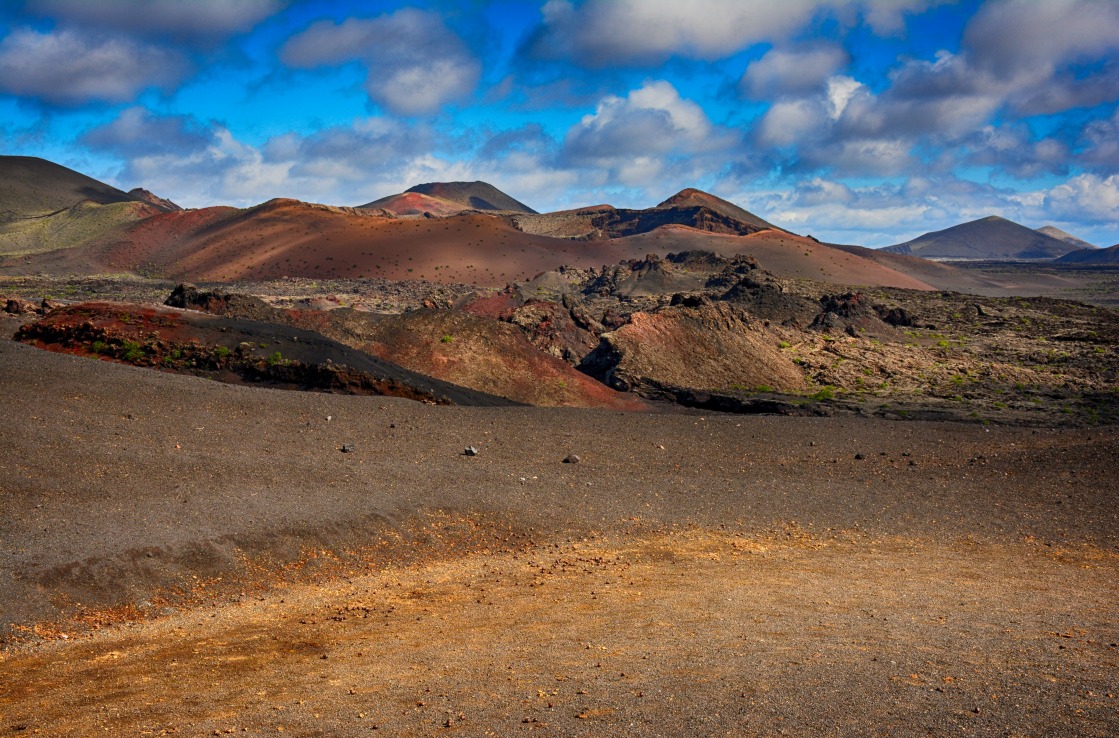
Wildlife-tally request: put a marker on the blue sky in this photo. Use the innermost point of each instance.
(865, 121)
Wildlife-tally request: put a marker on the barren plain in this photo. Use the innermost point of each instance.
(187, 557)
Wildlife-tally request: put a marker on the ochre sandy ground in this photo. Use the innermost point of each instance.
(218, 565)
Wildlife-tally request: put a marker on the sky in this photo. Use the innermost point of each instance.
(856, 121)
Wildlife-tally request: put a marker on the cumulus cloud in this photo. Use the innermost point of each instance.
(603, 32)
(1101, 142)
(197, 18)
(197, 164)
(1085, 198)
(355, 153)
(1016, 37)
(783, 72)
(1017, 57)
(414, 63)
(633, 137)
(1010, 148)
(70, 67)
(136, 132)
(651, 119)
(883, 214)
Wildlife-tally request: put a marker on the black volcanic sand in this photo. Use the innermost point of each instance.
(217, 564)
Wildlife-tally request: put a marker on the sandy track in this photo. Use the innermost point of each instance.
(750, 577)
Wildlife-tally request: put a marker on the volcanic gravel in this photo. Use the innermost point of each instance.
(217, 564)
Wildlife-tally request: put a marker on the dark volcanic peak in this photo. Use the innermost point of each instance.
(692, 198)
(30, 186)
(139, 193)
(472, 195)
(1094, 255)
(987, 238)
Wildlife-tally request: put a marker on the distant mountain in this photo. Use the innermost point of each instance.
(693, 198)
(1057, 233)
(988, 238)
(692, 208)
(448, 198)
(30, 187)
(139, 193)
(1093, 255)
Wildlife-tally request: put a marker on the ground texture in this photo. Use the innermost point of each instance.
(217, 563)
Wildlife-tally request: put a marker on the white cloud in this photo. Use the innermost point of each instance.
(1026, 37)
(792, 71)
(840, 91)
(789, 122)
(1085, 198)
(635, 136)
(414, 63)
(69, 67)
(603, 32)
(196, 18)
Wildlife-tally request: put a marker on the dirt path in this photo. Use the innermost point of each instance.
(692, 633)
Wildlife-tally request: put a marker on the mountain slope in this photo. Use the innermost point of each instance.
(693, 198)
(1057, 233)
(1110, 255)
(449, 198)
(988, 238)
(73, 227)
(139, 193)
(31, 187)
(692, 208)
(415, 203)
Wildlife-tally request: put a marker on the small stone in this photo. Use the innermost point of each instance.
(860, 457)
(571, 459)
(470, 451)
(347, 448)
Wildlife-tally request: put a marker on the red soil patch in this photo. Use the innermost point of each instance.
(416, 203)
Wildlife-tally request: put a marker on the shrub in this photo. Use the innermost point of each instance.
(447, 339)
(132, 351)
(824, 393)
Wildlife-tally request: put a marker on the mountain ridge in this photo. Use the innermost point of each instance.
(989, 238)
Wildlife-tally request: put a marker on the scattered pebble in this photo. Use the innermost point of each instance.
(470, 451)
(347, 448)
(571, 459)
(860, 457)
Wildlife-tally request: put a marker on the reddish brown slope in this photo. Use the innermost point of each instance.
(784, 254)
(291, 238)
(416, 203)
